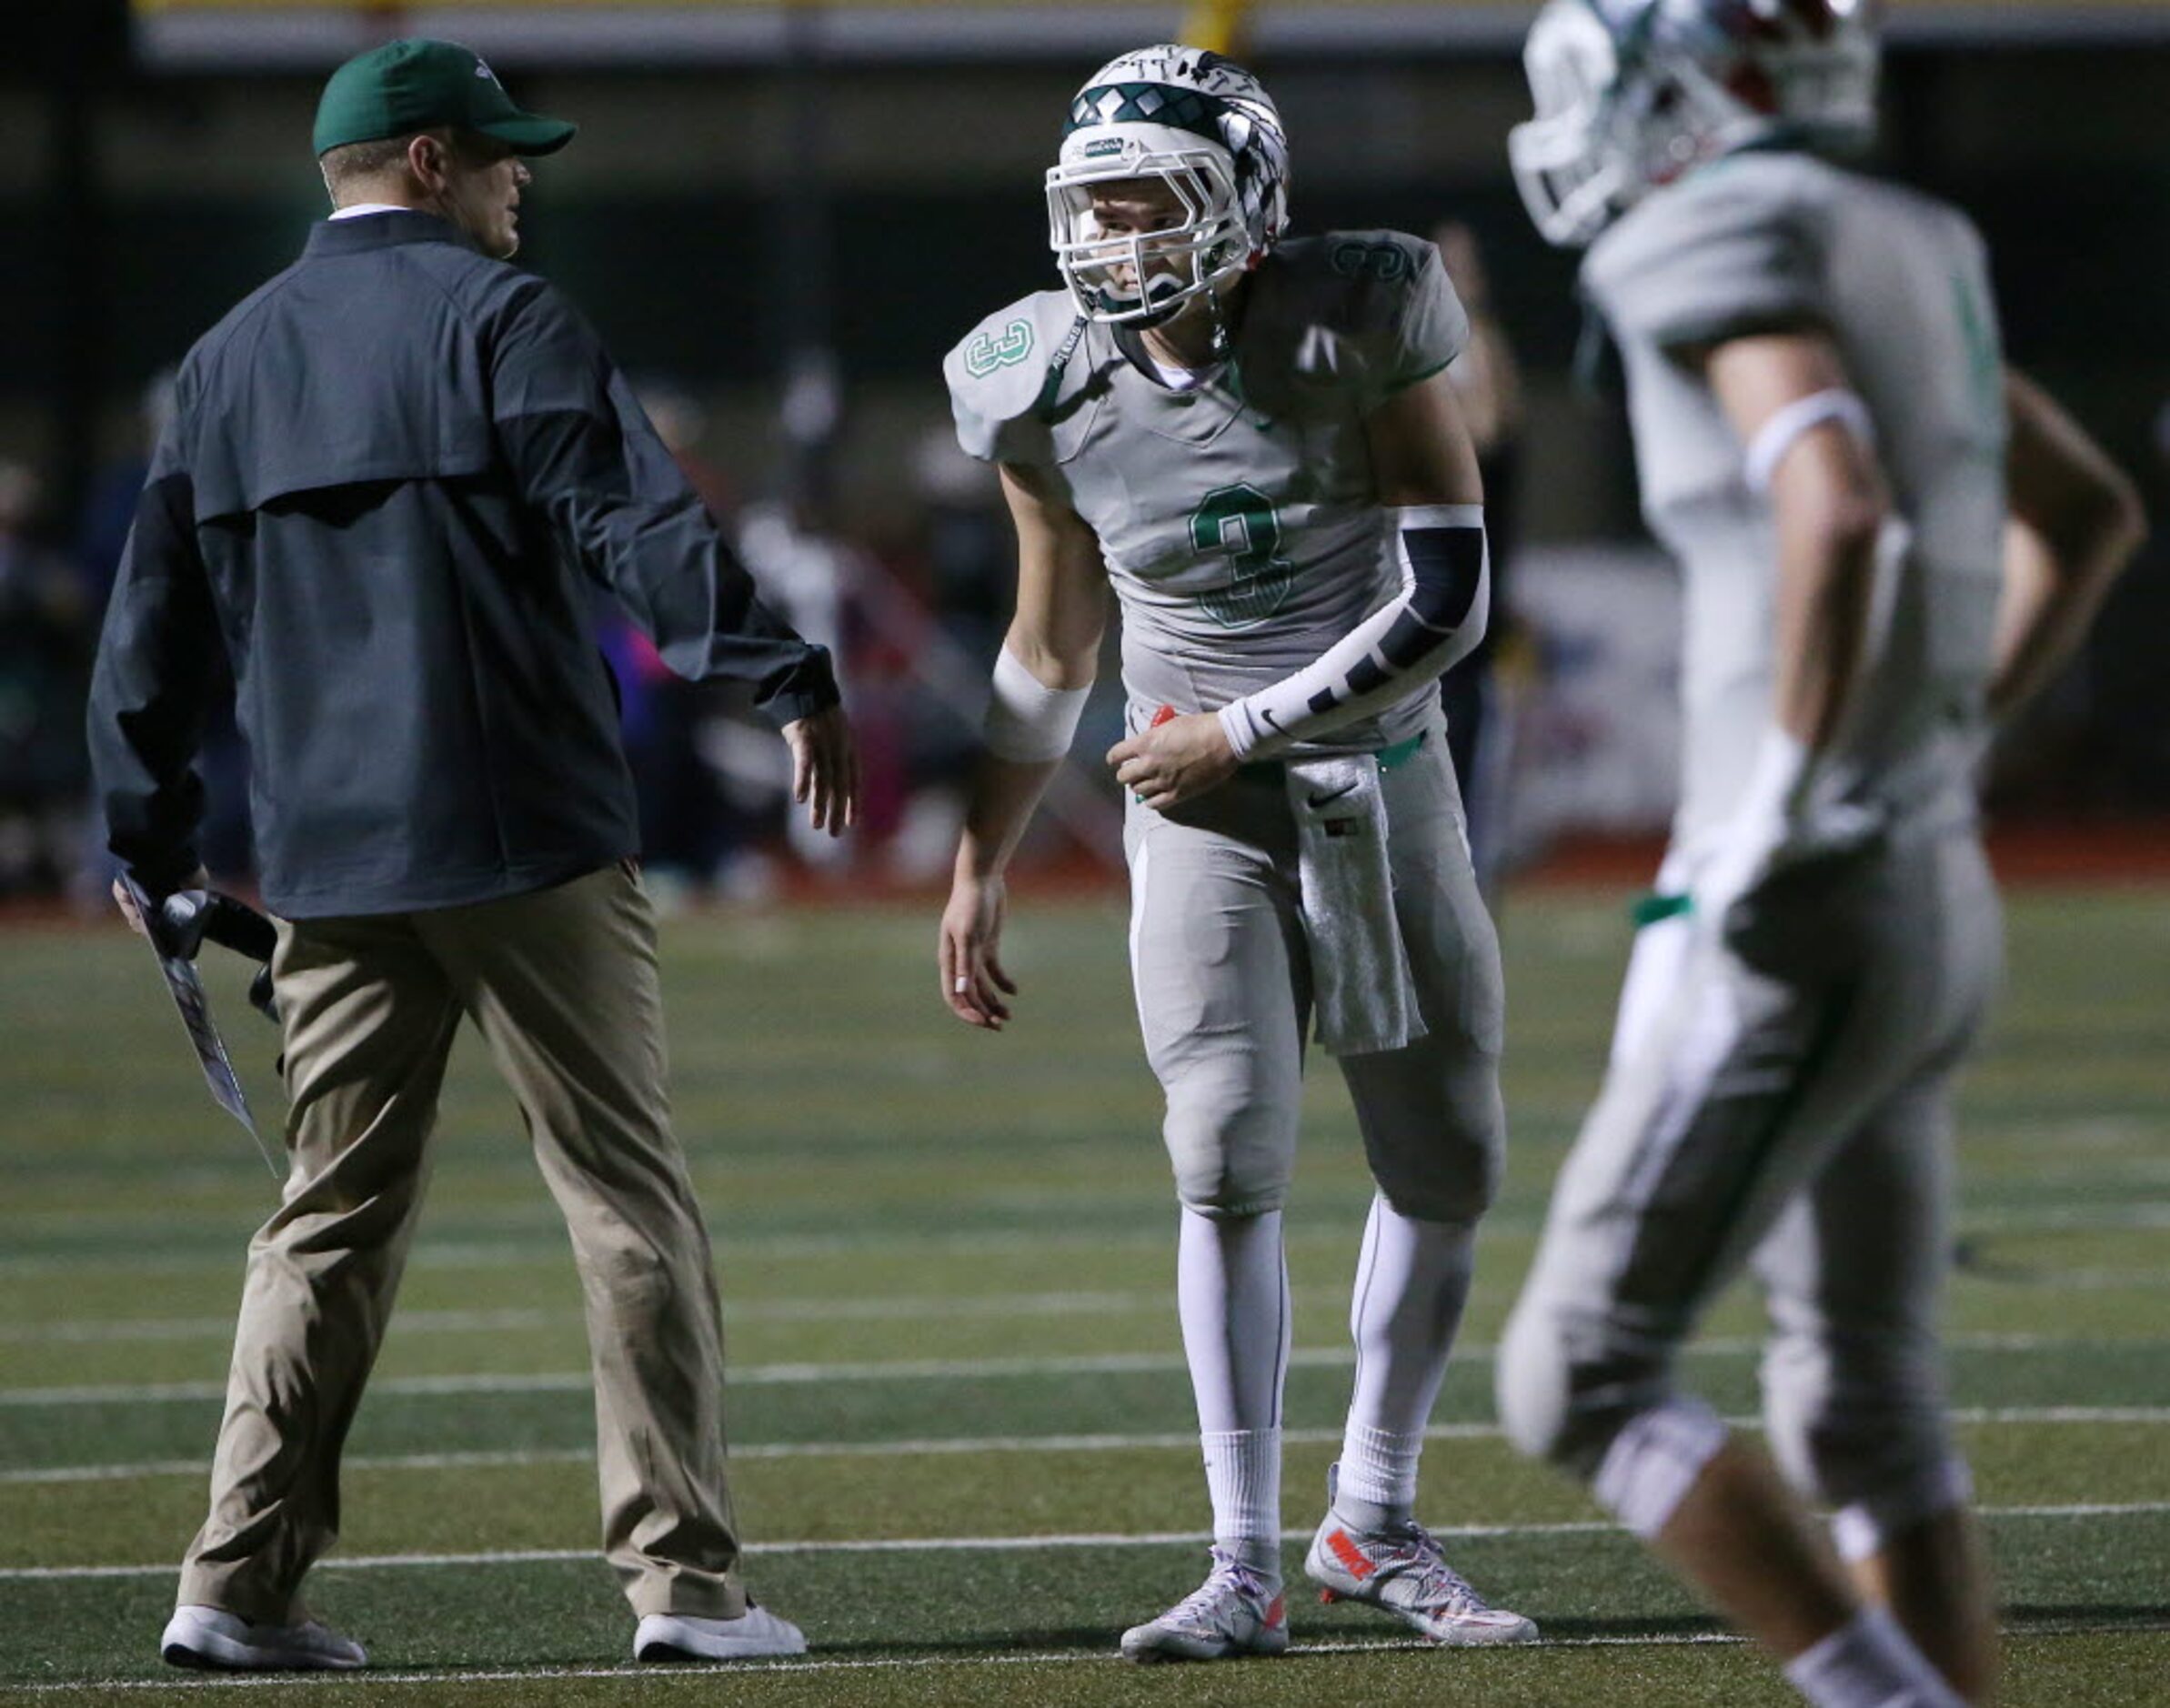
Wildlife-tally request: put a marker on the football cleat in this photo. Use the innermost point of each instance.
(212, 1637)
(1234, 1613)
(754, 1634)
(1401, 1571)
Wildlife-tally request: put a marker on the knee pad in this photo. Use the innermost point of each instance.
(1430, 1172)
(1600, 1405)
(1654, 1460)
(1459, 1187)
(1866, 1526)
(1856, 1422)
(1232, 1155)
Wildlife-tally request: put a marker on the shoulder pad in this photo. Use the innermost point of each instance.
(1003, 373)
(1732, 248)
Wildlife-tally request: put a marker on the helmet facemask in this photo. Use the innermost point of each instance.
(1196, 126)
(1573, 175)
(1144, 278)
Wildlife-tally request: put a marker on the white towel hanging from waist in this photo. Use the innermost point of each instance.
(1361, 996)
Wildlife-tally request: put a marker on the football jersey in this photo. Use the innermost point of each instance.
(1239, 519)
(1765, 241)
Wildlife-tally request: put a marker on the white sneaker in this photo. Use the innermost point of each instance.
(753, 1634)
(1233, 1614)
(210, 1636)
(1402, 1572)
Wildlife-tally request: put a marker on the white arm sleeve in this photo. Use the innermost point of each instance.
(1446, 598)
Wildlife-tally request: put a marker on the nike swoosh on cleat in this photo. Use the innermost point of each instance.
(1350, 1555)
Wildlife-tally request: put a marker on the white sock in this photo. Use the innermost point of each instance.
(1232, 1297)
(1869, 1662)
(1243, 1478)
(1412, 1283)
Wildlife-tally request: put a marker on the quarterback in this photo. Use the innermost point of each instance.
(1887, 540)
(1254, 441)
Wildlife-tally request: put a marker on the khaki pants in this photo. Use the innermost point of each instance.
(562, 986)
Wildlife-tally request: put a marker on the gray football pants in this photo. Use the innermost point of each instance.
(1792, 1115)
(562, 986)
(1223, 988)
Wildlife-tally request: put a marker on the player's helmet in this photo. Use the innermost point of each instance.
(1631, 93)
(1204, 126)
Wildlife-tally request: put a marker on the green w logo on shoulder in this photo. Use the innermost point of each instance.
(989, 351)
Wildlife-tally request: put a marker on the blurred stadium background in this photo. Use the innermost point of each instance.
(780, 215)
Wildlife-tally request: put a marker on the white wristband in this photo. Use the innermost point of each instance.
(1236, 725)
(1029, 722)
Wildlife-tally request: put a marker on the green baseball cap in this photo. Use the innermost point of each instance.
(419, 85)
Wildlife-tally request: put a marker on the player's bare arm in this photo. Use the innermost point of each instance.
(1422, 450)
(1829, 504)
(1054, 639)
(2075, 522)
(1425, 467)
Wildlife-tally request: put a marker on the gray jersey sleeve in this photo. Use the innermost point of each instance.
(1404, 319)
(1722, 254)
(999, 377)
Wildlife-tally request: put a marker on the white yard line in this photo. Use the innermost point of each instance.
(937, 1369)
(883, 1664)
(975, 1544)
(923, 1308)
(966, 1445)
(884, 1308)
(2146, 1214)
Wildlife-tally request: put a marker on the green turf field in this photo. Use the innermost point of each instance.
(959, 1416)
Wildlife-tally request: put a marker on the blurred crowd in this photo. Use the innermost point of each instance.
(914, 611)
(913, 617)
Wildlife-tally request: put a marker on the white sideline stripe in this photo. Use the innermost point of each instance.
(945, 1370)
(2145, 1213)
(965, 1445)
(977, 1544)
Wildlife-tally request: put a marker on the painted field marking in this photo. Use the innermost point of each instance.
(965, 1445)
(977, 1544)
(945, 1370)
(2142, 1214)
(889, 1308)
(870, 1664)
(932, 1307)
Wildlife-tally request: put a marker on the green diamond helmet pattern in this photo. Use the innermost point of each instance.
(1207, 129)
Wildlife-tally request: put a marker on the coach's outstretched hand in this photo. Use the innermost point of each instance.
(824, 769)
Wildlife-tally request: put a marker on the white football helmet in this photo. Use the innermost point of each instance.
(1204, 126)
(1631, 93)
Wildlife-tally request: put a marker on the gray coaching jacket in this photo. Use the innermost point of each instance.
(394, 474)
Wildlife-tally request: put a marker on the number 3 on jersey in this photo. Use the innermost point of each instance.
(1241, 523)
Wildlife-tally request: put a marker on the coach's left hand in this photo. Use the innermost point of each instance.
(1174, 762)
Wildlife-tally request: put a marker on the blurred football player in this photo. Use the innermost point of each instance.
(1887, 540)
(1255, 441)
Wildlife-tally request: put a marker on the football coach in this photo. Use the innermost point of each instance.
(394, 476)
